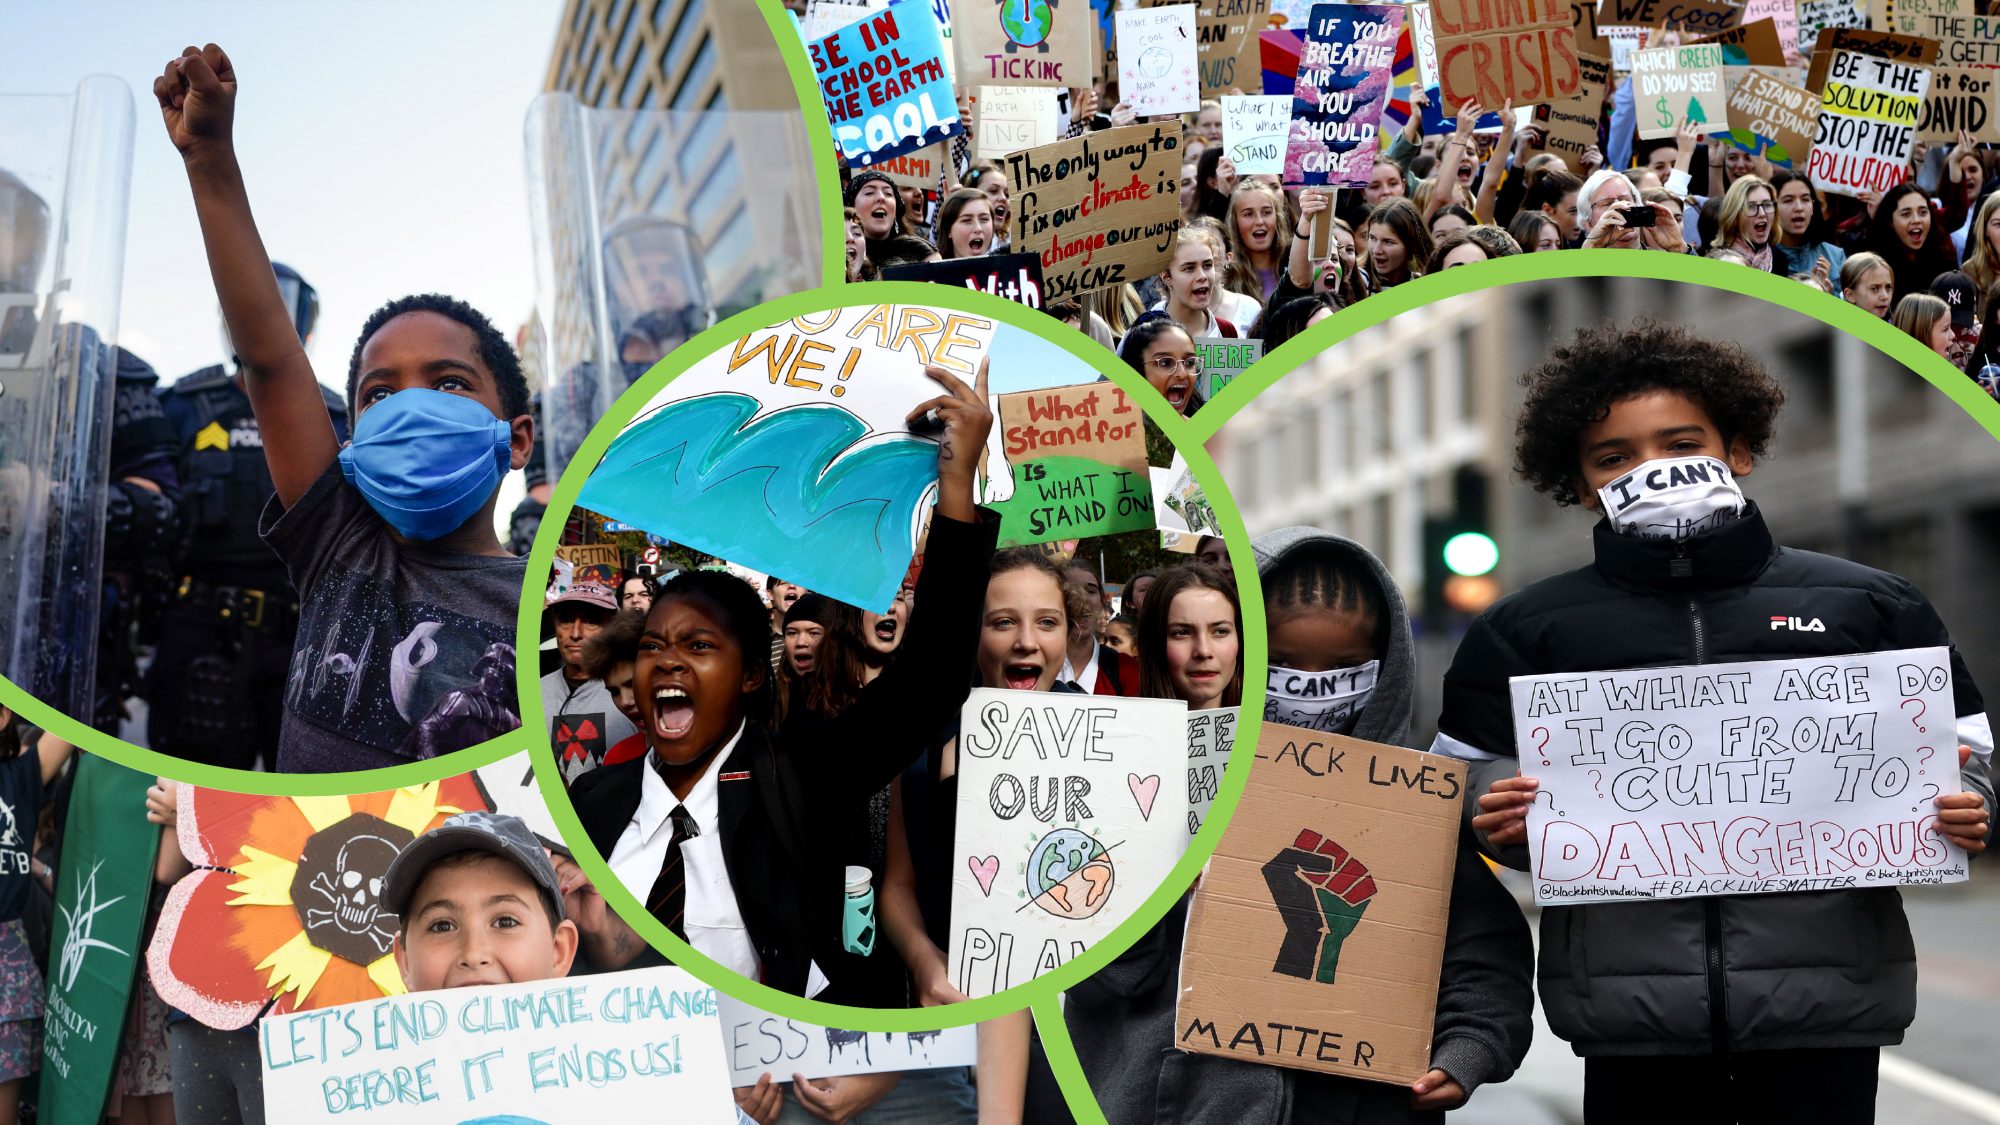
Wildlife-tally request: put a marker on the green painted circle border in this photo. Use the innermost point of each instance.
(563, 500)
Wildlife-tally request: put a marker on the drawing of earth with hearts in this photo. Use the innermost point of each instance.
(1070, 874)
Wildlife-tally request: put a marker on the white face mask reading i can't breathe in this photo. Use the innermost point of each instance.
(1673, 498)
(1324, 701)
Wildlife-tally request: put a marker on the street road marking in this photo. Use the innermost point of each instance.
(1941, 1087)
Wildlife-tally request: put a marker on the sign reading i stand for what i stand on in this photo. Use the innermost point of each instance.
(1078, 458)
(1762, 776)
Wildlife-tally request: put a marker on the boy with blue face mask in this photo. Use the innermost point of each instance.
(407, 598)
(1760, 1007)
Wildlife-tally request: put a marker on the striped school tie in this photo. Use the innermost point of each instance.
(668, 900)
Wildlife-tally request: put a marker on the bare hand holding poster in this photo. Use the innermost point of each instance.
(1344, 66)
(1761, 776)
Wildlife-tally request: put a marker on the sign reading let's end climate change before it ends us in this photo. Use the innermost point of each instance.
(884, 84)
(1774, 775)
(596, 1048)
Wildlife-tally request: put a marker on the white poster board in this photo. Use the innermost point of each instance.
(1012, 118)
(509, 785)
(1868, 115)
(1760, 776)
(1211, 736)
(1156, 59)
(1676, 84)
(760, 1043)
(580, 1049)
(1070, 813)
(1254, 132)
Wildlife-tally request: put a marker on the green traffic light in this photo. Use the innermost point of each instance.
(1471, 553)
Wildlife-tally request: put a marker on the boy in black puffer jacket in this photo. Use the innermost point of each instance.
(1766, 1007)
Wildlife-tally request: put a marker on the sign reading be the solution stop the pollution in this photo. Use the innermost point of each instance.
(1868, 115)
(1760, 776)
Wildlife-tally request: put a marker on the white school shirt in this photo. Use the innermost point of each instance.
(1085, 679)
(713, 921)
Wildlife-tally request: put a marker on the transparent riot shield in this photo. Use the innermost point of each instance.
(65, 171)
(649, 226)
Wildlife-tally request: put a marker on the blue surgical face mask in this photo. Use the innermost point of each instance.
(427, 460)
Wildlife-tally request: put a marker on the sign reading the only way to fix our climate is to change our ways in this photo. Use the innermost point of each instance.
(1775, 775)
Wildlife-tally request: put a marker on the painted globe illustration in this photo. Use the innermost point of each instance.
(1026, 21)
(1070, 874)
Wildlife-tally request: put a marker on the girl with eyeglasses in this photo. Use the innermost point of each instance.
(1747, 220)
(1163, 352)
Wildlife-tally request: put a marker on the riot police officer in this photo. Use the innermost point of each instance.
(218, 679)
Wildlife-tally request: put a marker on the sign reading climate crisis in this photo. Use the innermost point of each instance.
(1496, 50)
(1101, 209)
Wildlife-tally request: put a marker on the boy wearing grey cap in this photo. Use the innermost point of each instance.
(479, 904)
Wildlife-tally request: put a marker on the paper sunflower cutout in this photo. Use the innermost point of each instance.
(283, 910)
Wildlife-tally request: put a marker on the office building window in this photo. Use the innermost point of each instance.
(695, 85)
(687, 27)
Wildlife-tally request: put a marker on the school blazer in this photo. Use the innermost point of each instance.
(784, 804)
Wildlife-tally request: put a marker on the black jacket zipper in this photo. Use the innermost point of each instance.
(1718, 998)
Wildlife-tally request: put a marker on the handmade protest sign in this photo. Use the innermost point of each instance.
(508, 786)
(1223, 359)
(923, 168)
(1881, 44)
(1702, 17)
(825, 17)
(1750, 777)
(1773, 119)
(1101, 209)
(1906, 17)
(1590, 38)
(884, 84)
(1967, 39)
(1254, 129)
(1784, 17)
(1078, 460)
(103, 882)
(1156, 60)
(1010, 118)
(1961, 97)
(1570, 127)
(1817, 16)
(1179, 502)
(585, 1048)
(1676, 84)
(1228, 50)
(1070, 813)
(1022, 42)
(1343, 77)
(1316, 937)
(1211, 739)
(1017, 277)
(1868, 115)
(788, 452)
(1750, 44)
(759, 1043)
(1498, 52)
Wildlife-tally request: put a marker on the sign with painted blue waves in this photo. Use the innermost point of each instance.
(885, 85)
(787, 451)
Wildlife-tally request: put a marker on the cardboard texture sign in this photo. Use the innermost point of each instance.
(759, 1043)
(1344, 65)
(1011, 118)
(923, 168)
(1317, 935)
(1961, 98)
(1254, 131)
(1022, 42)
(1702, 17)
(883, 81)
(1526, 52)
(1817, 16)
(1773, 119)
(1071, 812)
(1740, 778)
(1676, 84)
(789, 450)
(1156, 60)
(1590, 37)
(1784, 17)
(1881, 44)
(1968, 40)
(1227, 30)
(1571, 126)
(1905, 17)
(1100, 209)
(1752, 44)
(1078, 456)
(1868, 114)
(1017, 277)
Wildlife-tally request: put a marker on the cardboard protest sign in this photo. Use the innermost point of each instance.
(1676, 84)
(923, 168)
(1017, 277)
(1223, 359)
(1228, 55)
(1906, 17)
(1702, 17)
(1818, 16)
(584, 1048)
(788, 452)
(1078, 460)
(759, 1043)
(1961, 97)
(1022, 42)
(1323, 910)
(1968, 40)
(1868, 115)
(1100, 209)
(1751, 777)
(1570, 127)
(884, 84)
(1880, 44)
(1211, 739)
(590, 564)
(1156, 60)
(1343, 77)
(1784, 17)
(1773, 119)
(824, 17)
(1750, 44)
(1010, 118)
(104, 880)
(1070, 813)
(1254, 130)
(1494, 53)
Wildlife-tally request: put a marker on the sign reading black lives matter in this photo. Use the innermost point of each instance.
(1774, 775)
(1101, 209)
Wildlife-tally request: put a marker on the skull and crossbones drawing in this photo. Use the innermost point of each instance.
(355, 897)
(337, 890)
